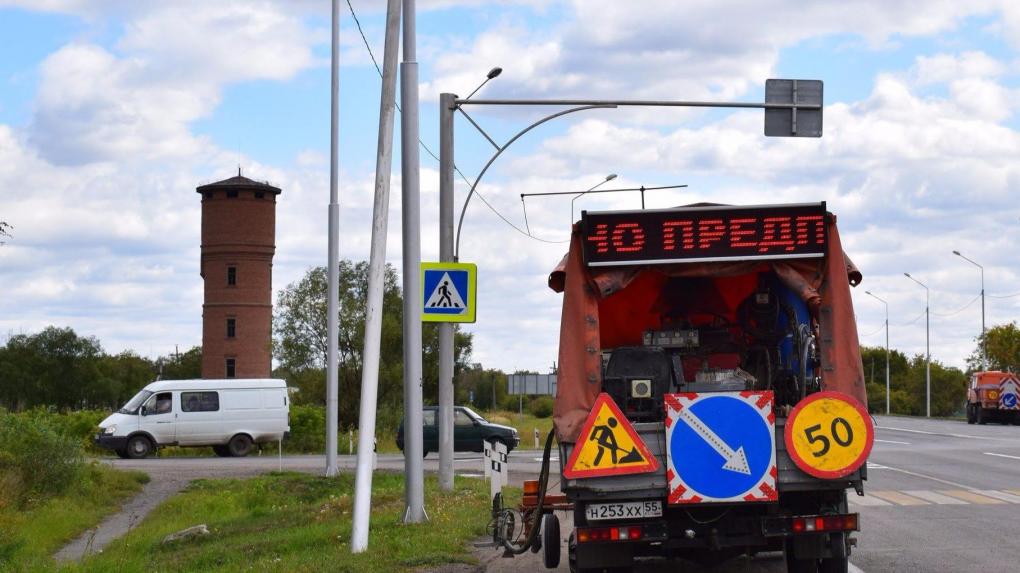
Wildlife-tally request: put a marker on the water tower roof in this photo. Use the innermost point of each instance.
(240, 182)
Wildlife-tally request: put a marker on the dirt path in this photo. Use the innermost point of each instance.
(118, 524)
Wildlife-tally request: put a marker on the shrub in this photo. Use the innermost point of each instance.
(307, 429)
(46, 461)
(541, 406)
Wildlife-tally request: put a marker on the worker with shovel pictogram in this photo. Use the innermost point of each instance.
(606, 440)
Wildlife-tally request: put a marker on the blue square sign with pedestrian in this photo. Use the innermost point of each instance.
(448, 292)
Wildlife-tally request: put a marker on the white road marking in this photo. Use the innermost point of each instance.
(853, 568)
(1001, 495)
(874, 466)
(892, 442)
(915, 474)
(966, 436)
(1002, 455)
(551, 459)
(868, 501)
(935, 497)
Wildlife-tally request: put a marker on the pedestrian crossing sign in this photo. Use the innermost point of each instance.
(608, 445)
(448, 292)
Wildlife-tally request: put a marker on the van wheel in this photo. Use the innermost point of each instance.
(239, 446)
(221, 451)
(138, 447)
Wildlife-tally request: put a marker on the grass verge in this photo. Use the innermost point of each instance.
(31, 534)
(299, 522)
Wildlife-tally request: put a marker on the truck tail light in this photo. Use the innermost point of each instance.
(824, 523)
(618, 533)
(531, 487)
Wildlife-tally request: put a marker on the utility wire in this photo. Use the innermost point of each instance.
(880, 329)
(959, 310)
(912, 321)
(1016, 294)
(426, 147)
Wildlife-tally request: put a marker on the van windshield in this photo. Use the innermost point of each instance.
(132, 405)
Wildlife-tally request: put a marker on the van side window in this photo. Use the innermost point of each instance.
(200, 401)
(429, 417)
(158, 404)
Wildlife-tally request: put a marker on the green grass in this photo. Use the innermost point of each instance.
(31, 534)
(525, 426)
(299, 522)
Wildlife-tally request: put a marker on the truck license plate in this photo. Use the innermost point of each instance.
(627, 510)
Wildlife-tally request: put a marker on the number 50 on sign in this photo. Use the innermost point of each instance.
(829, 435)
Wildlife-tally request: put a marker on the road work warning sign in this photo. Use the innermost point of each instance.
(608, 445)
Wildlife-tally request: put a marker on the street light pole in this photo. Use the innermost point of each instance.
(868, 292)
(927, 345)
(608, 178)
(333, 254)
(984, 342)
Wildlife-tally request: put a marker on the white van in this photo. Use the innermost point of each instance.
(231, 415)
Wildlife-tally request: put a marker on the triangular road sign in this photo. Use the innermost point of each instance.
(445, 295)
(608, 445)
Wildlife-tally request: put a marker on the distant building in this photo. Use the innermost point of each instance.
(238, 243)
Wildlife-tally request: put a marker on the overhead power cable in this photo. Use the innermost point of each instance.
(959, 310)
(1016, 294)
(880, 329)
(912, 321)
(378, 70)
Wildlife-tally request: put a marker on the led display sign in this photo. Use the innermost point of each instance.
(710, 233)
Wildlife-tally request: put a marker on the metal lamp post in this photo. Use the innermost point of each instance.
(608, 178)
(927, 345)
(872, 295)
(984, 343)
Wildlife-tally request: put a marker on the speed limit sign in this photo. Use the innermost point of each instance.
(829, 435)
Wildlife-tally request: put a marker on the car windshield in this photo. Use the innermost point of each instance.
(132, 405)
(471, 413)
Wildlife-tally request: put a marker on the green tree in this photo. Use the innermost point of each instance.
(1003, 343)
(300, 341)
(55, 367)
(5, 231)
(483, 384)
(178, 366)
(122, 376)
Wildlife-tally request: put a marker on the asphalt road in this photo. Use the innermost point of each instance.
(942, 496)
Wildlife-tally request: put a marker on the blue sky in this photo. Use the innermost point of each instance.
(111, 113)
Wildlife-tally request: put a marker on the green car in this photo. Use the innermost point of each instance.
(470, 432)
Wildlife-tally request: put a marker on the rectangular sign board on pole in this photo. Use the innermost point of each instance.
(448, 292)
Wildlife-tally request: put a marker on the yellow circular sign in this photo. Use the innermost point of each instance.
(829, 435)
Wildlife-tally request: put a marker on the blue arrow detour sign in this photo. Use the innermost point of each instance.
(721, 447)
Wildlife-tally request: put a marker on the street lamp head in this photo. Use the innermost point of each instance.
(907, 275)
(611, 176)
(868, 292)
(494, 72)
(957, 253)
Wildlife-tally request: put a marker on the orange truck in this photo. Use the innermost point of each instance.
(993, 396)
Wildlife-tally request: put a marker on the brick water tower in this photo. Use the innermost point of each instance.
(238, 243)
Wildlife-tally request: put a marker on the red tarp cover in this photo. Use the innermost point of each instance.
(611, 306)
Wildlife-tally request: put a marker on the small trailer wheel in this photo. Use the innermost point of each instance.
(551, 541)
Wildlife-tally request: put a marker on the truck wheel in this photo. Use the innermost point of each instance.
(239, 446)
(979, 415)
(138, 447)
(798, 565)
(834, 565)
(970, 413)
(551, 540)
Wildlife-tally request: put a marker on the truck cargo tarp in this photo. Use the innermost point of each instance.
(613, 306)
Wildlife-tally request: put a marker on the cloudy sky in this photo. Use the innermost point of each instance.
(112, 112)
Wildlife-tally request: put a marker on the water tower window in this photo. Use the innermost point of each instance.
(231, 276)
(231, 327)
(231, 366)
(231, 194)
(260, 195)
